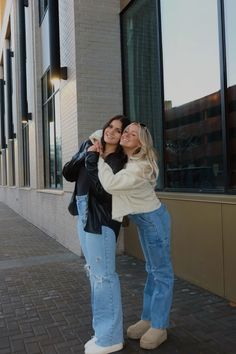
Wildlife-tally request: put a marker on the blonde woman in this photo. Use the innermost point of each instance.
(133, 194)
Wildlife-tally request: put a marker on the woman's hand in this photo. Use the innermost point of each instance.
(95, 147)
(92, 148)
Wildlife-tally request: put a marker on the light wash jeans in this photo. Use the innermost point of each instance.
(82, 207)
(154, 229)
(100, 254)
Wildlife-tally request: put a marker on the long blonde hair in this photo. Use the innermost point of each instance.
(147, 150)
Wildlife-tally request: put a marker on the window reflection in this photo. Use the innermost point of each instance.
(52, 134)
(193, 148)
(58, 142)
(43, 4)
(25, 154)
(140, 68)
(230, 28)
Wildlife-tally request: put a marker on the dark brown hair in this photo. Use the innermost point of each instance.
(124, 121)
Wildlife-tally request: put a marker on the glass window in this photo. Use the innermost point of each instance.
(2, 115)
(0, 168)
(192, 114)
(3, 146)
(52, 134)
(43, 4)
(10, 117)
(230, 28)
(140, 67)
(25, 154)
(174, 80)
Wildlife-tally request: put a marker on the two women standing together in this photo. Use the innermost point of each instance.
(116, 176)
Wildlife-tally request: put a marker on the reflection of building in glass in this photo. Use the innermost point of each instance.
(194, 144)
(195, 130)
(194, 141)
(231, 91)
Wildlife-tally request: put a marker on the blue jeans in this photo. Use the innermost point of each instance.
(100, 254)
(154, 229)
(82, 207)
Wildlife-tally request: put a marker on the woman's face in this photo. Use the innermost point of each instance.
(112, 133)
(130, 137)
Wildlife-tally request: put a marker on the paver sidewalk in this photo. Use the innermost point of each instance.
(45, 301)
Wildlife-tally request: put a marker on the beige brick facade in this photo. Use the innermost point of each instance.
(90, 49)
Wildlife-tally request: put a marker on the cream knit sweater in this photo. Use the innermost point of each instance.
(131, 189)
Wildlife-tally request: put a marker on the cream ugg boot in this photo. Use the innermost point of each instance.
(153, 338)
(138, 329)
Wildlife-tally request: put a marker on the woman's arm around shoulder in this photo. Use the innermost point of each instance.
(129, 178)
(70, 169)
(91, 164)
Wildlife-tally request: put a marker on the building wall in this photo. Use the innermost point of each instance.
(2, 8)
(124, 3)
(98, 63)
(203, 240)
(90, 49)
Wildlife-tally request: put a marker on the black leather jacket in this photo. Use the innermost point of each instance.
(99, 201)
(71, 169)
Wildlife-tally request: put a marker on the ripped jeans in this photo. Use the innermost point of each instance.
(154, 229)
(100, 254)
(82, 207)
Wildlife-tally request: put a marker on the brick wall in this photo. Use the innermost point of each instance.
(90, 49)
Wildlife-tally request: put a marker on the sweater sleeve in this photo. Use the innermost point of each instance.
(123, 181)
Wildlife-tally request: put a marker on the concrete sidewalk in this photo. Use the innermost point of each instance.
(45, 301)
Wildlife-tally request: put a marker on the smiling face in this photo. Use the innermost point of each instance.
(130, 139)
(112, 133)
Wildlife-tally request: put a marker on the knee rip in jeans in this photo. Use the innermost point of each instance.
(100, 279)
(159, 274)
(87, 266)
(87, 270)
(97, 278)
(152, 269)
(154, 272)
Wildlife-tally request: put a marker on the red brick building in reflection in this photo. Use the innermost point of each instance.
(194, 145)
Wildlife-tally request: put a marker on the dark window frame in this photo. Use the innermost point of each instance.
(43, 7)
(158, 78)
(10, 123)
(224, 104)
(48, 101)
(25, 154)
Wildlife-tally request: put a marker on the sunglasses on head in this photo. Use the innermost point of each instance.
(142, 125)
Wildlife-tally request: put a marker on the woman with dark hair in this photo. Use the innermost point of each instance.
(98, 234)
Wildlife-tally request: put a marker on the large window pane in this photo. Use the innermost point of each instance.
(230, 30)
(25, 155)
(58, 142)
(140, 67)
(191, 70)
(52, 134)
(43, 4)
